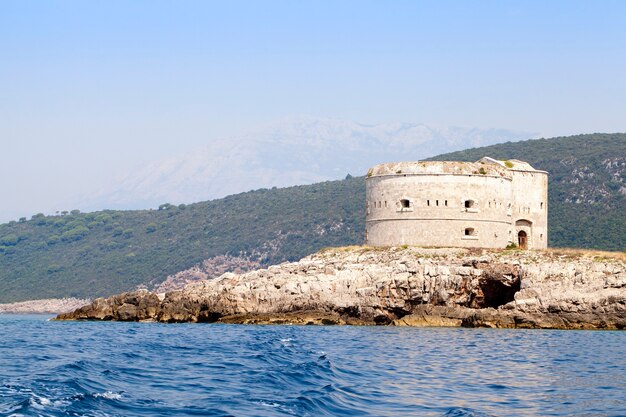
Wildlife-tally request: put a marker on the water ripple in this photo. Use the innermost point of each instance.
(145, 369)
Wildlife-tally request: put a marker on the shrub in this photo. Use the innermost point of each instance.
(75, 234)
(9, 240)
(58, 222)
(110, 245)
(7, 250)
(40, 219)
(150, 228)
(73, 224)
(103, 218)
(166, 206)
(53, 240)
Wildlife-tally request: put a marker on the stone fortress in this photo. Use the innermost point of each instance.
(486, 204)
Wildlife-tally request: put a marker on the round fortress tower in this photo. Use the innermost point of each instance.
(487, 204)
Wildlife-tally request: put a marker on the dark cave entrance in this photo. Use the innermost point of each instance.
(497, 286)
(498, 293)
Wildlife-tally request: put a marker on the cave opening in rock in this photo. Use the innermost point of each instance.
(497, 286)
(497, 293)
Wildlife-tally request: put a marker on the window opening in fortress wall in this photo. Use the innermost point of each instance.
(469, 203)
(446, 203)
(470, 231)
(404, 203)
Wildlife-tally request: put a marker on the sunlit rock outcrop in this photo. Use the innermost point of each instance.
(400, 286)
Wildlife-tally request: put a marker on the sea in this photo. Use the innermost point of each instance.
(50, 368)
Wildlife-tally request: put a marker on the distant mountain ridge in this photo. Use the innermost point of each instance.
(106, 252)
(295, 151)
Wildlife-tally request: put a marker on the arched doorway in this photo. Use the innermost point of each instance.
(524, 230)
(522, 240)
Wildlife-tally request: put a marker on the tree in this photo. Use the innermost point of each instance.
(76, 233)
(9, 240)
(54, 239)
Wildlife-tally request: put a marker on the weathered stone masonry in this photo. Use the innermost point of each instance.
(488, 204)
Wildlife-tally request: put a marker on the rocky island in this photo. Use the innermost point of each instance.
(406, 286)
(45, 306)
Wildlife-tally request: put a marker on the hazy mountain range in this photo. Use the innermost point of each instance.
(294, 151)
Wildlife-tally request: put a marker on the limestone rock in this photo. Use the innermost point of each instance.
(412, 286)
(49, 305)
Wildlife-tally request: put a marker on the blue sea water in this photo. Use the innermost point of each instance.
(148, 369)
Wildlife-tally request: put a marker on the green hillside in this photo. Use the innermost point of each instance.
(106, 252)
(587, 185)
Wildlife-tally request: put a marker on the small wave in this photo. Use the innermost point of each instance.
(41, 403)
(497, 386)
(464, 412)
(109, 395)
(268, 404)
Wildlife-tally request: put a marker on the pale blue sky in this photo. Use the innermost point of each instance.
(89, 88)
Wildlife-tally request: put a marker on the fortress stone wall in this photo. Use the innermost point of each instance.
(487, 204)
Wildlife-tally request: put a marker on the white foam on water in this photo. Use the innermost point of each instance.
(108, 395)
(269, 404)
(38, 402)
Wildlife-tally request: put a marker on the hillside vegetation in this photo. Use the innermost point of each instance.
(96, 254)
(106, 252)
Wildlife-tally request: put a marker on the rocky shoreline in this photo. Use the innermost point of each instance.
(398, 286)
(46, 306)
